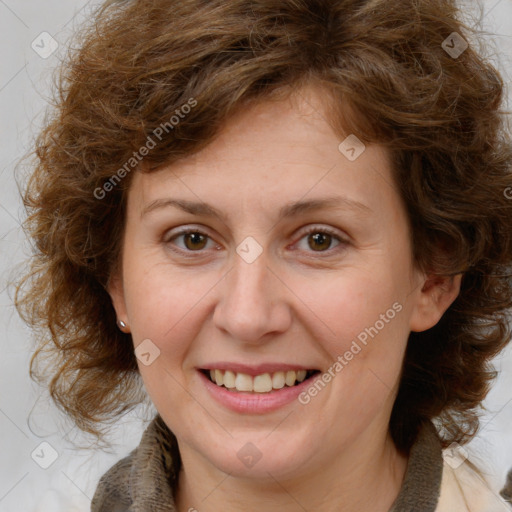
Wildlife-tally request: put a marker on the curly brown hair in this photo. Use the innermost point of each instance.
(140, 61)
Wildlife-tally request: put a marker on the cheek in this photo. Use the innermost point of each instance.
(352, 306)
(166, 305)
(168, 309)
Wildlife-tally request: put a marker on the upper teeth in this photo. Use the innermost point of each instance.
(260, 383)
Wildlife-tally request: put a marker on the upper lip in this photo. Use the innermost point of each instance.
(254, 370)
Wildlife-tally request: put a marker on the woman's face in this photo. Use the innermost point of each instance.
(298, 257)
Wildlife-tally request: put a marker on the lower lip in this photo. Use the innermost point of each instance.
(255, 403)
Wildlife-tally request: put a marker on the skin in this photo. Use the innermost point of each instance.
(299, 302)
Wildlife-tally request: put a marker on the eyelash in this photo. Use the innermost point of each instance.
(326, 231)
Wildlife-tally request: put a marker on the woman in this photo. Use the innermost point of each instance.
(289, 221)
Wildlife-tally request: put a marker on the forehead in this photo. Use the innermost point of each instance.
(270, 153)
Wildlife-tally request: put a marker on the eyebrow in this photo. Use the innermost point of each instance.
(288, 210)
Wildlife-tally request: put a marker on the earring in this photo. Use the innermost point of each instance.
(121, 324)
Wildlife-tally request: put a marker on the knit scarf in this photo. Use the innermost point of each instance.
(146, 480)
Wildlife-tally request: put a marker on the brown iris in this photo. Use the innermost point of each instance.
(194, 241)
(322, 241)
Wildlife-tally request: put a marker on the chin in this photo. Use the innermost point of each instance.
(260, 457)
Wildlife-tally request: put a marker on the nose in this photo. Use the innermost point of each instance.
(253, 302)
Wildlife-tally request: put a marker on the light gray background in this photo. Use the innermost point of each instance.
(69, 483)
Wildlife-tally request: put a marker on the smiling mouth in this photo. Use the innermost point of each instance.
(264, 383)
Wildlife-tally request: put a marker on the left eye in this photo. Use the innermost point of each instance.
(320, 240)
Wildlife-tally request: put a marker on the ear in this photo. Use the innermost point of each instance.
(433, 299)
(116, 291)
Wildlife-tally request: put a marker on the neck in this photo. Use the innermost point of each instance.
(370, 484)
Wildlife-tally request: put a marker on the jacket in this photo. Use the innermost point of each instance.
(146, 480)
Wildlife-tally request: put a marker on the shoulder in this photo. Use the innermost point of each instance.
(147, 475)
(464, 489)
(112, 493)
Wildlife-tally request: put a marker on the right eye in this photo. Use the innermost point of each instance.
(190, 240)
